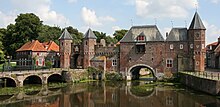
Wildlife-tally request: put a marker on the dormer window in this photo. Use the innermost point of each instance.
(141, 37)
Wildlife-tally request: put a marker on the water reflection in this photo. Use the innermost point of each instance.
(110, 94)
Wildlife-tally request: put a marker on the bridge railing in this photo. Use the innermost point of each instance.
(206, 75)
(41, 70)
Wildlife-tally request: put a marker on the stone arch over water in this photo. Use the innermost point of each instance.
(55, 78)
(135, 70)
(32, 79)
(7, 82)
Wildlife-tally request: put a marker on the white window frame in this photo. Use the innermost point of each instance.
(169, 61)
(203, 46)
(171, 46)
(191, 46)
(114, 62)
(40, 61)
(181, 46)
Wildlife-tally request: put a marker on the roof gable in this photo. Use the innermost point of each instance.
(51, 46)
(150, 32)
(33, 45)
(197, 22)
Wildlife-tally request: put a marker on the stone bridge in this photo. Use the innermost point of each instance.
(20, 78)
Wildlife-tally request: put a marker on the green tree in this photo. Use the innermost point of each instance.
(99, 35)
(109, 40)
(2, 33)
(119, 34)
(10, 39)
(48, 33)
(27, 27)
(77, 36)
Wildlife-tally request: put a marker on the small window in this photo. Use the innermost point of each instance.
(86, 43)
(140, 48)
(76, 49)
(140, 38)
(181, 46)
(169, 63)
(62, 44)
(191, 46)
(114, 62)
(203, 46)
(197, 62)
(171, 46)
(40, 61)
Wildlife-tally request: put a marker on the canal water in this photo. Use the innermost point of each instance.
(110, 94)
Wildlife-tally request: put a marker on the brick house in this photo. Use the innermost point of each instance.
(213, 55)
(36, 53)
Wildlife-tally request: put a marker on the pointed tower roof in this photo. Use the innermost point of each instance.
(65, 35)
(196, 22)
(90, 35)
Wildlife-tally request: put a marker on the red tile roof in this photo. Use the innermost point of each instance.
(51, 46)
(214, 43)
(36, 46)
(33, 45)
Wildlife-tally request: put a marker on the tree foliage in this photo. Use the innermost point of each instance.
(77, 36)
(48, 33)
(27, 27)
(119, 34)
(101, 35)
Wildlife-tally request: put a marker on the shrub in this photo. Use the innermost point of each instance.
(92, 70)
(113, 76)
(48, 64)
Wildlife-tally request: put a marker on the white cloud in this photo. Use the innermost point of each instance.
(114, 28)
(41, 8)
(90, 18)
(164, 8)
(215, 1)
(72, 1)
(212, 32)
(6, 19)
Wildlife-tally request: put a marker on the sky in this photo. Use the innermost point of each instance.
(110, 15)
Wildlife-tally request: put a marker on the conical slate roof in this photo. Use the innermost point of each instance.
(65, 35)
(196, 22)
(90, 35)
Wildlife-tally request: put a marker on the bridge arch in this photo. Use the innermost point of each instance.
(7, 82)
(32, 79)
(55, 78)
(134, 71)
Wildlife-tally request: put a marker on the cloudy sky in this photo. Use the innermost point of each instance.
(110, 15)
